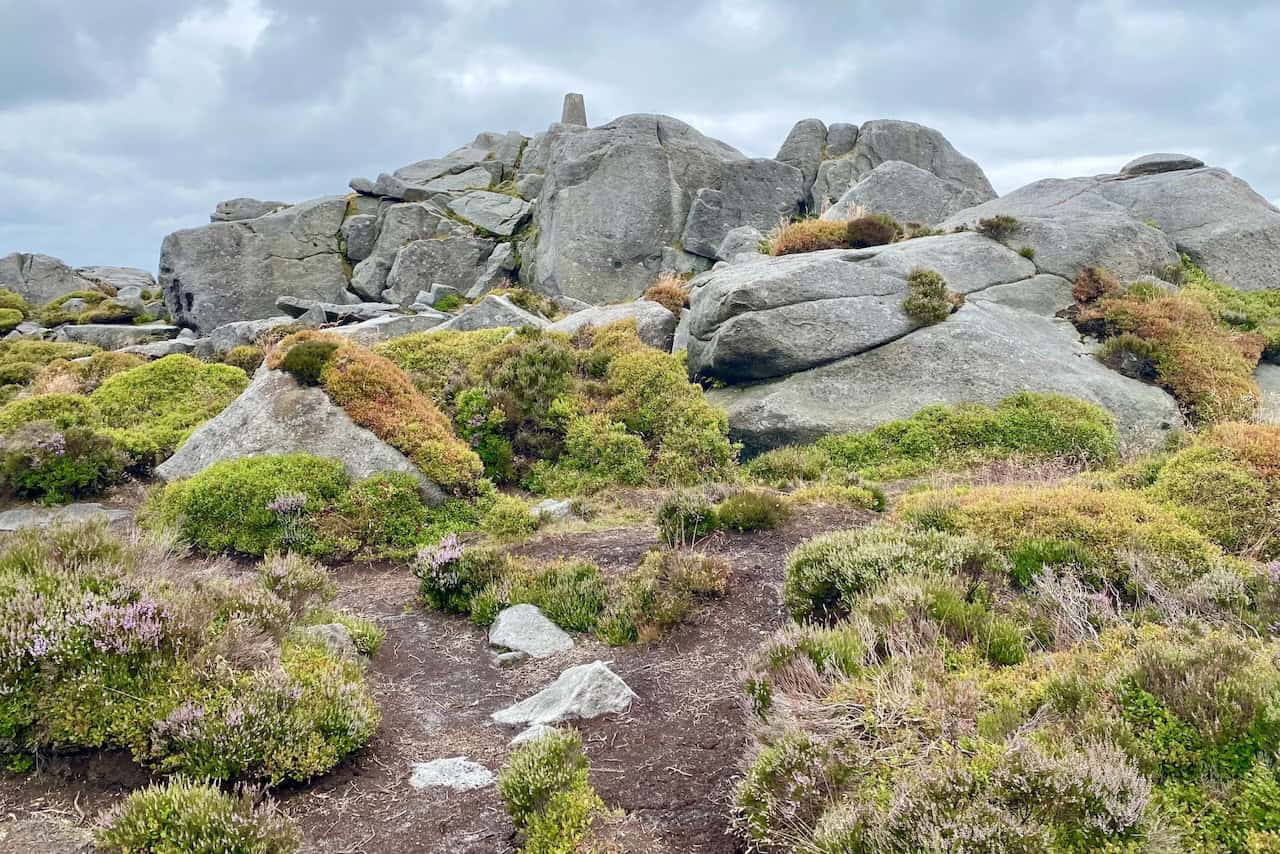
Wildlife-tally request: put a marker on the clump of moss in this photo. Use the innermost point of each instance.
(15, 302)
(246, 357)
(84, 375)
(928, 301)
(307, 360)
(55, 312)
(532, 302)
(449, 303)
(181, 815)
(432, 359)
(871, 230)
(1255, 312)
(9, 318)
(807, 235)
(670, 292)
(999, 228)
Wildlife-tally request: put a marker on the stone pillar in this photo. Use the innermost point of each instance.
(575, 110)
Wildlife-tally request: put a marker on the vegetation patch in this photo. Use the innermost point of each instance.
(807, 235)
(871, 230)
(671, 292)
(114, 644)
(928, 301)
(548, 796)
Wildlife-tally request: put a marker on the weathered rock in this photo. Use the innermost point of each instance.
(334, 637)
(435, 293)
(230, 271)
(655, 324)
(1214, 217)
(44, 517)
(524, 628)
(492, 312)
(453, 261)
(275, 415)
(399, 225)
(1044, 295)
(613, 198)
(740, 241)
(497, 272)
(907, 193)
(370, 332)
(983, 353)
(1071, 225)
(363, 186)
(841, 138)
(39, 278)
(119, 279)
(755, 193)
(1151, 164)
(835, 177)
(781, 315)
(532, 733)
(335, 312)
(552, 510)
(496, 213)
(114, 336)
(160, 349)
(242, 332)
(419, 181)
(586, 691)
(1268, 377)
(359, 235)
(234, 210)
(885, 139)
(804, 148)
(574, 111)
(458, 773)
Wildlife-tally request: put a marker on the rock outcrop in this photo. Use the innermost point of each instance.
(655, 324)
(586, 691)
(905, 192)
(39, 278)
(753, 193)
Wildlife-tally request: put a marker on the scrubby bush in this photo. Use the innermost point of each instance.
(509, 518)
(380, 516)
(15, 302)
(1255, 312)
(111, 644)
(246, 357)
(55, 466)
(530, 301)
(22, 359)
(449, 303)
(9, 318)
(999, 227)
(181, 816)
(84, 375)
(871, 230)
(659, 594)
(684, 518)
(670, 292)
(548, 796)
(431, 359)
(62, 410)
(928, 301)
(572, 594)
(752, 510)
(807, 235)
(56, 311)
(451, 576)
(307, 360)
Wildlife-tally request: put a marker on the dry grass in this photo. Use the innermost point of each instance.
(807, 235)
(669, 291)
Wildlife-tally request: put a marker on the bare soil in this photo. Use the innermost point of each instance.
(670, 762)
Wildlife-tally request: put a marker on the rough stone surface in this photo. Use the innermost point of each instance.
(983, 353)
(1043, 294)
(160, 349)
(574, 111)
(803, 148)
(524, 628)
(275, 415)
(612, 199)
(497, 271)
(45, 832)
(552, 510)
(532, 733)
(234, 210)
(886, 139)
(114, 336)
(334, 637)
(757, 193)
(119, 278)
(39, 278)
(335, 312)
(907, 193)
(230, 271)
(781, 315)
(44, 517)
(1268, 377)
(835, 177)
(370, 332)
(496, 213)
(490, 313)
(457, 773)
(457, 170)
(740, 241)
(582, 692)
(242, 332)
(841, 138)
(1071, 225)
(454, 261)
(655, 324)
(359, 235)
(1151, 164)
(400, 225)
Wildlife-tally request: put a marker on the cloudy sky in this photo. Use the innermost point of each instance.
(123, 120)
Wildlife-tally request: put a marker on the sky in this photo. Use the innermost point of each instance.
(124, 120)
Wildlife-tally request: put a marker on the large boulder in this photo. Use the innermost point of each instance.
(1151, 164)
(1071, 225)
(473, 166)
(754, 193)
(905, 192)
(239, 333)
(582, 692)
(275, 415)
(780, 315)
(983, 353)
(804, 148)
(655, 324)
(230, 271)
(234, 210)
(118, 278)
(395, 227)
(496, 213)
(492, 312)
(378, 329)
(455, 261)
(39, 278)
(883, 140)
(612, 199)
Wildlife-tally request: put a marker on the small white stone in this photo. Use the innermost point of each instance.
(458, 773)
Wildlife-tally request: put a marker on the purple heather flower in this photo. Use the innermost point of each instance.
(288, 502)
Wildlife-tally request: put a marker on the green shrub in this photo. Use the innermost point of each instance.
(246, 357)
(1227, 502)
(1247, 311)
(1028, 252)
(999, 228)
(14, 302)
(449, 302)
(752, 510)
(307, 360)
(38, 352)
(659, 594)
(598, 453)
(9, 318)
(62, 410)
(85, 374)
(873, 230)
(431, 359)
(571, 594)
(181, 816)
(540, 772)
(380, 516)
(56, 466)
(927, 300)
(365, 634)
(684, 518)
(790, 466)
(509, 518)
(451, 576)
(54, 312)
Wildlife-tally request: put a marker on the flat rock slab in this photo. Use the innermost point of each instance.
(524, 628)
(492, 312)
(585, 691)
(115, 336)
(370, 332)
(655, 324)
(496, 213)
(1152, 164)
(45, 517)
(458, 773)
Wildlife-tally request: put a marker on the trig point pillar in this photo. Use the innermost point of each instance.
(575, 110)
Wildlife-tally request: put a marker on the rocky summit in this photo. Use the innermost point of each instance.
(608, 489)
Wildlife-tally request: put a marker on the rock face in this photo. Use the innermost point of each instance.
(655, 324)
(492, 312)
(983, 353)
(1151, 164)
(496, 213)
(753, 193)
(803, 148)
(524, 628)
(275, 415)
(39, 278)
(453, 261)
(907, 193)
(782, 315)
(231, 271)
(883, 140)
(114, 336)
(118, 278)
(472, 167)
(612, 199)
(233, 210)
(585, 691)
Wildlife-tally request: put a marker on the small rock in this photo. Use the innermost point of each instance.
(44, 517)
(509, 659)
(1153, 164)
(335, 312)
(655, 324)
(370, 332)
(585, 691)
(533, 733)
(235, 210)
(496, 213)
(492, 312)
(160, 349)
(524, 628)
(361, 185)
(110, 336)
(459, 774)
(551, 510)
